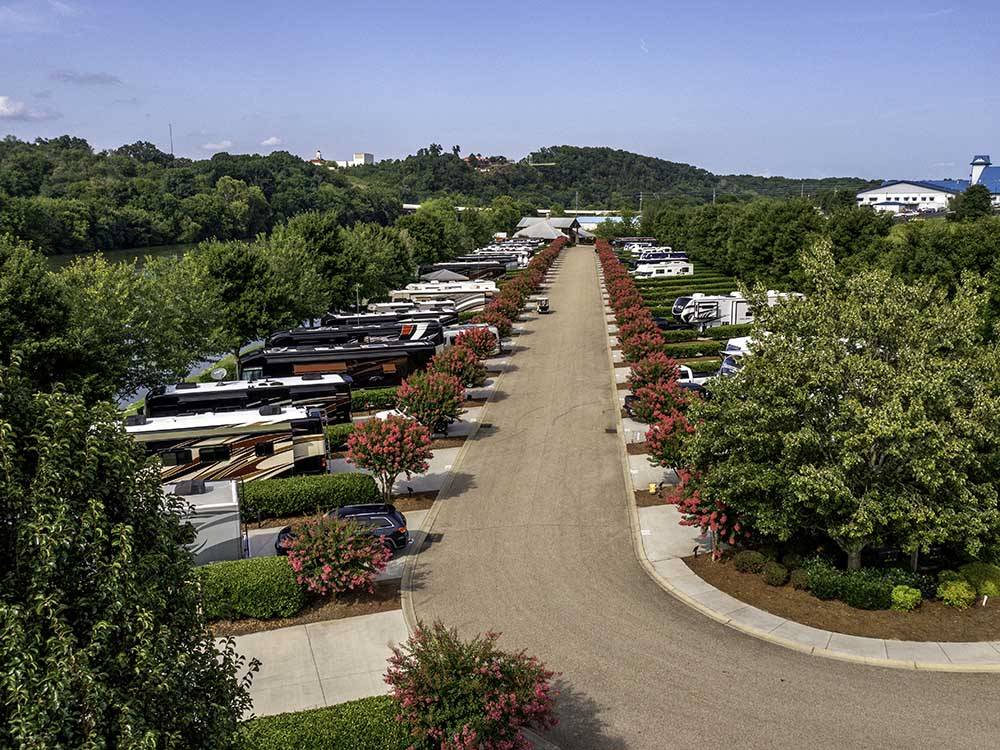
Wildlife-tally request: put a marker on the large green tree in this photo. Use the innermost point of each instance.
(101, 633)
(974, 203)
(866, 413)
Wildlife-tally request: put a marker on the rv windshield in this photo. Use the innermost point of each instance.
(679, 304)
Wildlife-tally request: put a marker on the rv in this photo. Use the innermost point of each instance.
(732, 356)
(213, 509)
(390, 312)
(368, 365)
(331, 394)
(466, 295)
(246, 444)
(708, 311)
(663, 270)
(452, 333)
(396, 329)
(473, 268)
(660, 255)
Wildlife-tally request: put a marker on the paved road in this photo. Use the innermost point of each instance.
(536, 544)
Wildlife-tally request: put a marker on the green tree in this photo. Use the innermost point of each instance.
(866, 413)
(974, 203)
(104, 643)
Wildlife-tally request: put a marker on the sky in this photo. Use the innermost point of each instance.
(800, 89)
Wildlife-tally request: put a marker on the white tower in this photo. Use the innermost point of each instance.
(979, 163)
(319, 156)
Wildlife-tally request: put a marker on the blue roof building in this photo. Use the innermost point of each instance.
(900, 196)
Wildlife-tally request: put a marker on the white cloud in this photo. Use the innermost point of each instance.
(82, 78)
(220, 146)
(272, 141)
(12, 109)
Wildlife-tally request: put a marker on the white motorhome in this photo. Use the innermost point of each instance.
(214, 512)
(466, 295)
(736, 349)
(703, 311)
(662, 270)
(451, 333)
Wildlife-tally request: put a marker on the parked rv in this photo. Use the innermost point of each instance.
(389, 312)
(466, 295)
(702, 311)
(246, 444)
(662, 270)
(732, 356)
(396, 329)
(213, 509)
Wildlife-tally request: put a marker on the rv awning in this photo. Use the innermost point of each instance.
(443, 274)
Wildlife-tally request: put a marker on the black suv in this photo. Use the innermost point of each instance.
(379, 519)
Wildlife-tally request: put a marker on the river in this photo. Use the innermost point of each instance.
(129, 255)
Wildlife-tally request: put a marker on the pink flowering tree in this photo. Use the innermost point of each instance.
(497, 319)
(709, 515)
(656, 368)
(432, 398)
(390, 447)
(666, 436)
(480, 340)
(468, 695)
(330, 556)
(460, 362)
(641, 345)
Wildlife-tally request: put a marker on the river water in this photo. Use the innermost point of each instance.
(137, 254)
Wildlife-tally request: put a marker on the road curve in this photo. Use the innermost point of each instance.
(533, 540)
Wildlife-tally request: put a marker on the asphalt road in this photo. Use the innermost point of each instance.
(534, 541)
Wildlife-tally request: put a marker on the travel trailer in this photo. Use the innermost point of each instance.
(389, 312)
(395, 329)
(331, 394)
(663, 270)
(452, 333)
(473, 268)
(246, 444)
(368, 365)
(661, 255)
(466, 295)
(213, 509)
(708, 311)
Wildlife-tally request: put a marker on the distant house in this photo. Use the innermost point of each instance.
(548, 229)
(360, 159)
(896, 196)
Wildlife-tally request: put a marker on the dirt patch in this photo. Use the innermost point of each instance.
(622, 386)
(644, 500)
(622, 364)
(637, 449)
(441, 443)
(384, 599)
(932, 621)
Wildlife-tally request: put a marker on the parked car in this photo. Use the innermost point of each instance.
(378, 519)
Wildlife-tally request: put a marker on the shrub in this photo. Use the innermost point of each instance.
(866, 589)
(330, 556)
(799, 579)
(791, 560)
(905, 598)
(656, 368)
(432, 398)
(958, 594)
(497, 319)
(460, 362)
(296, 496)
(665, 438)
(983, 577)
(775, 574)
(337, 434)
(260, 587)
(641, 345)
(390, 447)
(365, 724)
(749, 561)
(468, 694)
(665, 397)
(480, 340)
(824, 580)
(373, 399)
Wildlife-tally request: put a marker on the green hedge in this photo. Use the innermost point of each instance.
(467, 316)
(373, 398)
(692, 349)
(337, 434)
(296, 496)
(867, 588)
(366, 724)
(261, 587)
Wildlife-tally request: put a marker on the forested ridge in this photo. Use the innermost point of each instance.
(64, 197)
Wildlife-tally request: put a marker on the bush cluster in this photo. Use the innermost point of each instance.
(957, 593)
(259, 587)
(867, 588)
(775, 574)
(337, 434)
(365, 724)
(459, 362)
(305, 495)
(749, 561)
(330, 556)
(799, 579)
(905, 598)
(983, 577)
(373, 399)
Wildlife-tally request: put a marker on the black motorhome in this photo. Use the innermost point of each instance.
(404, 313)
(365, 333)
(331, 394)
(368, 365)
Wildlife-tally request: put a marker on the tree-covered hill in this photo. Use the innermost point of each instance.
(567, 175)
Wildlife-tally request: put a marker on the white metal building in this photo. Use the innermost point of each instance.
(896, 196)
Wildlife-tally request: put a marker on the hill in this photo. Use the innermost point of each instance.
(571, 175)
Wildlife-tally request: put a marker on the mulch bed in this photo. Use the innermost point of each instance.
(384, 599)
(637, 449)
(405, 502)
(622, 364)
(644, 500)
(932, 621)
(622, 386)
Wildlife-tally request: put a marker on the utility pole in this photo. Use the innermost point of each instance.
(170, 127)
(802, 189)
(357, 298)
(713, 195)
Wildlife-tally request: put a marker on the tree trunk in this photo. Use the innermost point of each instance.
(914, 559)
(854, 558)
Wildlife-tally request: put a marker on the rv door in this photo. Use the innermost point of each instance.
(741, 313)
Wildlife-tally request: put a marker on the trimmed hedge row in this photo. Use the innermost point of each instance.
(337, 434)
(259, 587)
(373, 398)
(692, 349)
(868, 588)
(719, 333)
(296, 496)
(670, 295)
(675, 281)
(365, 724)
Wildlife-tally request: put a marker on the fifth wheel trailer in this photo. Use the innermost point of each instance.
(702, 311)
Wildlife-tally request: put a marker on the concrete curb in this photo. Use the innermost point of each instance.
(978, 654)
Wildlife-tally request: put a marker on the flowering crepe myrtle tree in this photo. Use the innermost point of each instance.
(468, 695)
(390, 447)
(666, 436)
(866, 413)
(480, 340)
(641, 345)
(656, 368)
(712, 517)
(460, 362)
(656, 399)
(497, 319)
(432, 398)
(331, 556)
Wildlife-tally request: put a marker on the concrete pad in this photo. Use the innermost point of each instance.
(612, 328)
(757, 619)
(351, 687)
(644, 473)
(635, 431)
(971, 653)
(469, 421)
(415, 523)
(623, 393)
(803, 634)
(667, 538)
(622, 374)
(482, 391)
(612, 341)
(916, 651)
(672, 568)
(719, 601)
(617, 357)
(440, 466)
(355, 645)
(279, 699)
(864, 648)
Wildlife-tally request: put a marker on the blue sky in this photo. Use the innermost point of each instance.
(779, 88)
